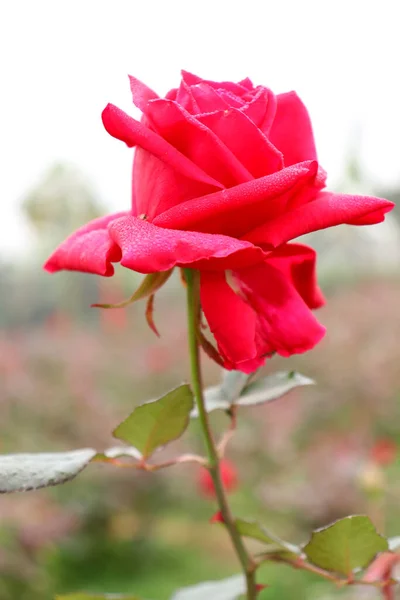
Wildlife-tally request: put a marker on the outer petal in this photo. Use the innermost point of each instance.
(231, 320)
(141, 94)
(240, 209)
(291, 130)
(90, 249)
(196, 141)
(297, 263)
(149, 249)
(327, 210)
(267, 314)
(123, 127)
(245, 140)
(285, 324)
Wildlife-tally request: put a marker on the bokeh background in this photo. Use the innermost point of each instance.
(69, 374)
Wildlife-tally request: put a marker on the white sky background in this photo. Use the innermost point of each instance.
(63, 60)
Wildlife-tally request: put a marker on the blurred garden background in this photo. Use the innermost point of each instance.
(70, 373)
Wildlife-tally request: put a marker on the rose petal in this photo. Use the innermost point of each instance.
(247, 83)
(185, 98)
(232, 99)
(123, 127)
(149, 249)
(238, 210)
(327, 210)
(141, 94)
(190, 78)
(298, 264)
(285, 324)
(196, 142)
(267, 315)
(245, 140)
(90, 249)
(291, 130)
(261, 109)
(231, 320)
(156, 187)
(172, 94)
(235, 88)
(207, 98)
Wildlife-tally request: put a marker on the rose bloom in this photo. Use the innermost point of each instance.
(224, 176)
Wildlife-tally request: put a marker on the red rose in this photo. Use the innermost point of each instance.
(228, 477)
(224, 176)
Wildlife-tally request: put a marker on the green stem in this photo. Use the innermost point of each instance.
(247, 564)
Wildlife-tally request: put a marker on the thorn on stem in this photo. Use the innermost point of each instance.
(217, 518)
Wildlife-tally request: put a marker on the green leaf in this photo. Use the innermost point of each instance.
(158, 422)
(224, 589)
(150, 284)
(212, 401)
(84, 596)
(236, 389)
(221, 397)
(233, 383)
(347, 544)
(254, 530)
(272, 387)
(25, 472)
